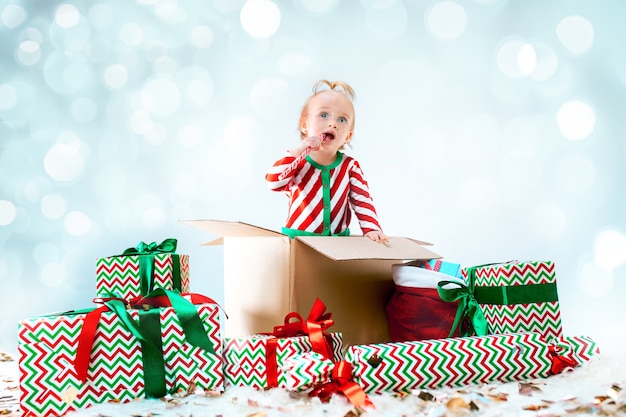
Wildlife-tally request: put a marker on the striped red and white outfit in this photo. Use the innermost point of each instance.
(322, 197)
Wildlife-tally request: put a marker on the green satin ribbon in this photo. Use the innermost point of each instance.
(468, 308)
(517, 294)
(511, 294)
(146, 253)
(152, 354)
(148, 331)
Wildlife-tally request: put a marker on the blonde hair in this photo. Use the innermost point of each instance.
(325, 85)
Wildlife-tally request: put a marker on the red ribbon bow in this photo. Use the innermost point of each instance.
(314, 326)
(560, 362)
(341, 383)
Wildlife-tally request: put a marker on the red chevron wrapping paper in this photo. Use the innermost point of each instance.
(120, 274)
(246, 363)
(541, 317)
(47, 347)
(401, 367)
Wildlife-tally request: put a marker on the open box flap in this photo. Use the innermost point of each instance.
(360, 247)
(229, 229)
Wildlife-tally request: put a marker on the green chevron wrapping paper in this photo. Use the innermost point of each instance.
(246, 363)
(518, 297)
(429, 364)
(122, 275)
(47, 348)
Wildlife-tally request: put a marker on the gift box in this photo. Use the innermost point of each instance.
(401, 367)
(265, 361)
(517, 297)
(75, 359)
(139, 270)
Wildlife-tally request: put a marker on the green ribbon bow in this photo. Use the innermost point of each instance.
(146, 254)
(468, 308)
(148, 331)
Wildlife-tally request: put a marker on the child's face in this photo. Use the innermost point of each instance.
(331, 113)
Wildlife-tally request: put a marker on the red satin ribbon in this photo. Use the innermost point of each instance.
(560, 362)
(317, 321)
(314, 326)
(92, 318)
(341, 382)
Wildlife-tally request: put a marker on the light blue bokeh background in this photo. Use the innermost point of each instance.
(492, 128)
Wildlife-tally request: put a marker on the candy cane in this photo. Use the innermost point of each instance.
(299, 159)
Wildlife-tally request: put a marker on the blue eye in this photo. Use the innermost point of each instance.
(324, 115)
(342, 120)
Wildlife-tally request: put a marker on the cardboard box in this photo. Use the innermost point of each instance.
(267, 275)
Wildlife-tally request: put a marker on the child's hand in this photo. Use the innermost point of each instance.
(377, 236)
(313, 142)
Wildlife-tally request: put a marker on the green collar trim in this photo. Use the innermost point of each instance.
(326, 167)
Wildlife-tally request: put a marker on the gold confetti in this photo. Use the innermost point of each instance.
(69, 395)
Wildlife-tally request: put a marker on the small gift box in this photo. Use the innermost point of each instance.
(164, 344)
(401, 367)
(264, 360)
(139, 270)
(517, 297)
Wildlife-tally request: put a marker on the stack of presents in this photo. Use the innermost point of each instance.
(327, 315)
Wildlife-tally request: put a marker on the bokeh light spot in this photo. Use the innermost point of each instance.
(131, 34)
(202, 37)
(527, 59)
(546, 62)
(610, 249)
(386, 19)
(446, 20)
(576, 173)
(160, 96)
(516, 58)
(116, 76)
(77, 223)
(8, 96)
(7, 212)
(13, 15)
(63, 162)
(53, 206)
(575, 33)
(576, 120)
(594, 280)
(46, 252)
(29, 53)
(66, 73)
(293, 62)
(141, 122)
(260, 18)
(101, 15)
(66, 16)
